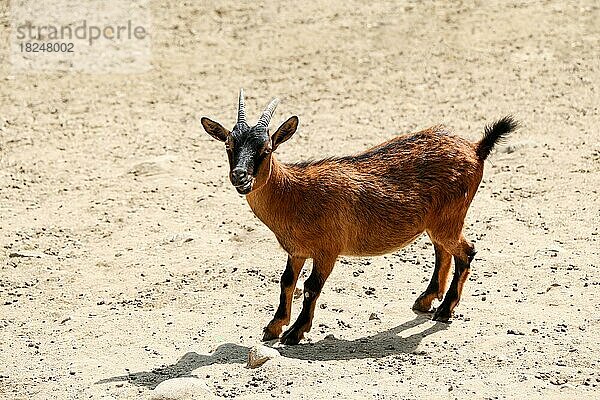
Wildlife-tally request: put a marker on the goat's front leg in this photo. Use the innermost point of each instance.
(312, 289)
(288, 284)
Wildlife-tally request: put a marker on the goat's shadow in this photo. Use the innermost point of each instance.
(380, 345)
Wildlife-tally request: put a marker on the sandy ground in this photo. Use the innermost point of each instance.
(153, 267)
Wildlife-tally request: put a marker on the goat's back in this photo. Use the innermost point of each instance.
(382, 199)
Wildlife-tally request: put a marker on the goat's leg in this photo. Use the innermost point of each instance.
(462, 262)
(288, 284)
(312, 289)
(439, 280)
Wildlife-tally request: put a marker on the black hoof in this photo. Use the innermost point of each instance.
(291, 337)
(441, 315)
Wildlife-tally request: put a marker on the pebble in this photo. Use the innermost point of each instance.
(297, 293)
(374, 316)
(512, 147)
(258, 355)
(179, 238)
(558, 381)
(30, 254)
(182, 389)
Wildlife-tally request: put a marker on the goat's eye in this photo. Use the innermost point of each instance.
(228, 144)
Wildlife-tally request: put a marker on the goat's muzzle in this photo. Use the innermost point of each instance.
(241, 180)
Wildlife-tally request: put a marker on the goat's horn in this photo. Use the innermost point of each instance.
(265, 118)
(241, 108)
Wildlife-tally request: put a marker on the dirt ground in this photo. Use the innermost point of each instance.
(148, 265)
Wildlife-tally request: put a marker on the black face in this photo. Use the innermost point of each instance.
(247, 148)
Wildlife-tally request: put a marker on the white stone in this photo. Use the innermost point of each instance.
(182, 389)
(258, 355)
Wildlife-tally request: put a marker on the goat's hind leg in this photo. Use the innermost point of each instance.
(288, 283)
(439, 280)
(463, 253)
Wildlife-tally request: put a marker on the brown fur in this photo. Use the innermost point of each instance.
(372, 203)
(367, 207)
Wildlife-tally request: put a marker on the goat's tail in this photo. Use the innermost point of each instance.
(495, 133)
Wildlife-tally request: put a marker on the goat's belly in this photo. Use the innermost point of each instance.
(376, 243)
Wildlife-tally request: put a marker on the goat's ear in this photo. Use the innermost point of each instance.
(285, 131)
(214, 129)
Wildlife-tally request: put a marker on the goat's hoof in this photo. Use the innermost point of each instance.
(442, 315)
(421, 308)
(422, 304)
(291, 338)
(271, 331)
(268, 335)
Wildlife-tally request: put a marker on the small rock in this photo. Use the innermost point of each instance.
(369, 291)
(30, 254)
(182, 389)
(331, 336)
(374, 316)
(297, 293)
(258, 355)
(558, 381)
(179, 238)
(514, 332)
(512, 147)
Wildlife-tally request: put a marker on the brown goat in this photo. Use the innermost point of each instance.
(372, 203)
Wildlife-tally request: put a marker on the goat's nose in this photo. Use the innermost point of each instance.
(238, 176)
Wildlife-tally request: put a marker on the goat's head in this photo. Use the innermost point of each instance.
(249, 147)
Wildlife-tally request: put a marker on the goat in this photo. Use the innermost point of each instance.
(368, 204)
